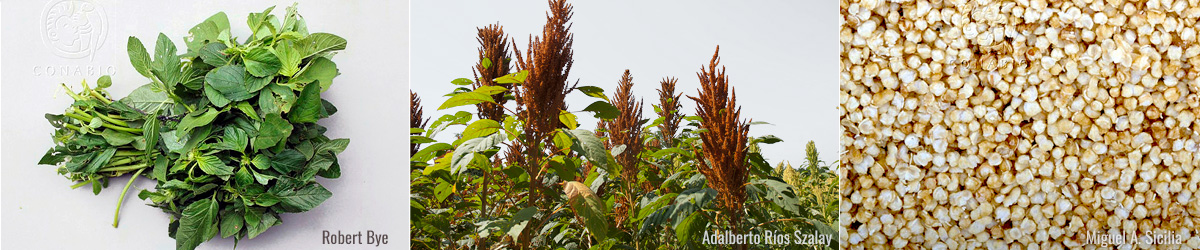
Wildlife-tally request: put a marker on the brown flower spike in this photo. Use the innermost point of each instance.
(415, 117)
(541, 96)
(493, 46)
(724, 142)
(626, 129)
(668, 103)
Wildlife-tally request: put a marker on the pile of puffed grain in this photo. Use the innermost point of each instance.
(1033, 124)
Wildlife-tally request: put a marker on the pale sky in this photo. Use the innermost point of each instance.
(780, 56)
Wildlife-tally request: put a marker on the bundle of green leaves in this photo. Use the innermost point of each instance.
(228, 129)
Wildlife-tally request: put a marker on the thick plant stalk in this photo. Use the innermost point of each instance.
(548, 61)
(416, 118)
(668, 103)
(493, 62)
(121, 200)
(724, 142)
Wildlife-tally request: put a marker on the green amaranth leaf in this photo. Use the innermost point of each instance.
(603, 110)
(465, 153)
(319, 69)
(262, 162)
(261, 62)
(289, 58)
(589, 207)
(105, 81)
(230, 81)
(304, 199)
(462, 81)
(514, 78)
(689, 230)
(308, 106)
(214, 166)
(214, 54)
(147, 99)
(479, 128)
(197, 225)
(195, 119)
(593, 91)
(117, 138)
(100, 160)
(150, 132)
(166, 63)
(321, 42)
(288, 161)
(138, 56)
(273, 130)
(257, 222)
(208, 31)
(568, 119)
(466, 98)
(231, 224)
(259, 23)
(587, 144)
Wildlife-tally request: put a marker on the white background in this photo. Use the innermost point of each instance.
(781, 56)
(41, 212)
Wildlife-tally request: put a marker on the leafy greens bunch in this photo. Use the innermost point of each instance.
(228, 129)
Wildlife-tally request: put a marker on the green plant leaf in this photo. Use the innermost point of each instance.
(260, 22)
(304, 199)
(213, 165)
(258, 221)
(138, 56)
(479, 128)
(308, 106)
(288, 161)
(261, 62)
(468, 98)
(231, 224)
(462, 81)
(587, 144)
(691, 229)
(289, 58)
(104, 81)
(117, 138)
(428, 152)
(148, 99)
(197, 224)
(319, 69)
(588, 207)
(195, 119)
(513, 78)
(490, 90)
(208, 31)
(464, 154)
(781, 194)
(262, 162)
(603, 110)
(150, 132)
(485, 62)
(166, 62)
(568, 119)
(100, 160)
(593, 91)
(230, 81)
(321, 42)
(273, 130)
